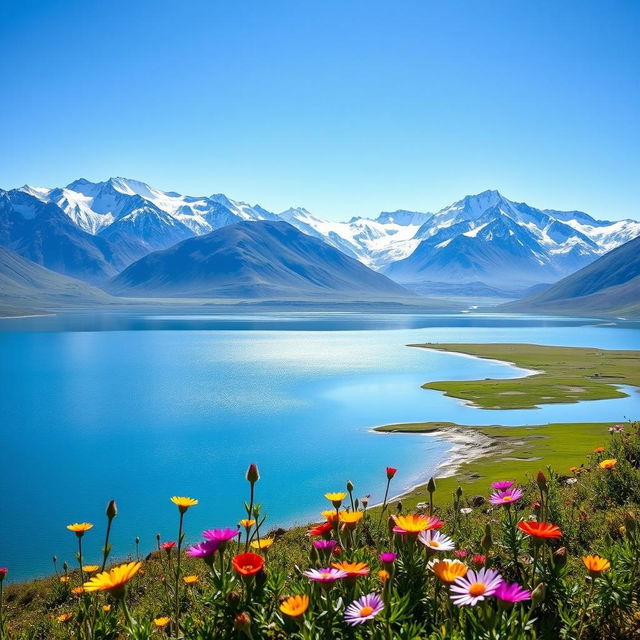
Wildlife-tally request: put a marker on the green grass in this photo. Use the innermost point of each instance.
(512, 453)
(566, 374)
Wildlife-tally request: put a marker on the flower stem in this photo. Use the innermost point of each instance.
(177, 583)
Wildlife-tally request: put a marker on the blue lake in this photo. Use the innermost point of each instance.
(139, 407)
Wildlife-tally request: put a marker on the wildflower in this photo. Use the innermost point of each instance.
(64, 579)
(320, 529)
(509, 593)
(475, 586)
(616, 428)
(387, 558)
(571, 480)
(608, 464)
(436, 541)
(351, 518)
(502, 485)
(295, 606)
(506, 497)
(189, 580)
(336, 498)
(114, 580)
(106, 608)
(466, 510)
(263, 543)
(573, 469)
(391, 472)
(326, 575)
(183, 503)
(246, 523)
(449, 571)
(598, 450)
(595, 565)
(352, 569)
(242, 622)
(90, 568)
(253, 475)
(363, 609)
(478, 560)
(247, 564)
(324, 545)
(221, 536)
(64, 617)
(3, 573)
(384, 575)
(541, 480)
(80, 528)
(460, 553)
(331, 516)
(540, 530)
(167, 546)
(415, 523)
(161, 622)
(365, 501)
(203, 549)
(77, 591)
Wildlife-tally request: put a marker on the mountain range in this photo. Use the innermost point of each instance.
(484, 242)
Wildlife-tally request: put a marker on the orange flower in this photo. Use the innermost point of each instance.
(608, 464)
(77, 591)
(350, 518)
(80, 528)
(540, 530)
(263, 543)
(449, 570)
(331, 516)
(595, 565)
(247, 564)
(384, 575)
(64, 579)
(598, 450)
(353, 569)
(295, 606)
(247, 524)
(189, 580)
(415, 523)
(320, 529)
(64, 617)
(90, 568)
(162, 622)
(106, 608)
(573, 469)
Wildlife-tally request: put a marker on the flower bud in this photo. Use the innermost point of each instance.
(65, 566)
(137, 539)
(537, 595)
(112, 510)
(399, 507)
(242, 621)
(253, 475)
(391, 472)
(560, 557)
(3, 573)
(486, 543)
(349, 486)
(541, 480)
(459, 493)
(478, 560)
(431, 485)
(357, 504)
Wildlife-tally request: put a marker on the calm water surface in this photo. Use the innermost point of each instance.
(139, 407)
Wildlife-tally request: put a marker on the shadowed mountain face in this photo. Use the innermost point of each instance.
(26, 284)
(610, 285)
(264, 259)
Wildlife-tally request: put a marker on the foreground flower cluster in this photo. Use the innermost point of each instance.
(372, 573)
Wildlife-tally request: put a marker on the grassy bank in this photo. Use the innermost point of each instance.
(564, 374)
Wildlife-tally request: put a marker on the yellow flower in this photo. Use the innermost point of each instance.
(77, 591)
(64, 579)
(336, 498)
(448, 570)
(162, 622)
(350, 518)
(608, 464)
(190, 579)
(183, 502)
(79, 528)
(413, 523)
(331, 515)
(247, 524)
(295, 606)
(263, 543)
(106, 608)
(113, 580)
(595, 565)
(64, 617)
(90, 568)
(384, 575)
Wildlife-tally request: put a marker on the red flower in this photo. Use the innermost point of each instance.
(539, 529)
(391, 472)
(3, 573)
(321, 529)
(247, 564)
(252, 474)
(167, 546)
(478, 560)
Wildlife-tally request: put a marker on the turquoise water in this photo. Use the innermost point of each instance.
(139, 407)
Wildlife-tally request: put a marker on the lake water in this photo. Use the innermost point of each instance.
(139, 407)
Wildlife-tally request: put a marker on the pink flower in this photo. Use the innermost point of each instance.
(506, 497)
(221, 535)
(167, 546)
(363, 609)
(388, 557)
(325, 545)
(508, 593)
(502, 485)
(3, 573)
(203, 549)
(475, 587)
(326, 575)
(461, 553)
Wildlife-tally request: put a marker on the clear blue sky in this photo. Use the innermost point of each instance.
(344, 107)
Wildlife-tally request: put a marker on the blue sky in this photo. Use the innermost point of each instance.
(346, 108)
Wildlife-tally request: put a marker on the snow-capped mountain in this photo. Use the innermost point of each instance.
(484, 239)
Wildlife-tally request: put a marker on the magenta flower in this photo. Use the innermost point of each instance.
(327, 575)
(363, 609)
(502, 485)
(475, 587)
(461, 553)
(506, 497)
(388, 557)
(203, 549)
(221, 536)
(508, 593)
(325, 545)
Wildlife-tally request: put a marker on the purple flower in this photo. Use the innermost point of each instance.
(327, 575)
(203, 549)
(502, 485)
(221, 536)
(363, 609)
(388, 557)
(324, 545)
(475, 587)
(508, 593)
(506, 497)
